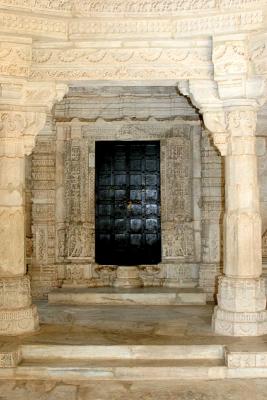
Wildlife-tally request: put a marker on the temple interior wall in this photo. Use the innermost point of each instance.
(60, 188)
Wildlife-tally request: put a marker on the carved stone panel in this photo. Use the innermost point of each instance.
(179, 174)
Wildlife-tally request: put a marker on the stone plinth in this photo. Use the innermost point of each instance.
(241, 310)
(17, 313)
(128, 277)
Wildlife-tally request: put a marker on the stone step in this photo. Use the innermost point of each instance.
(116, 370)
(130, 362)
(118, 362)
(122, 352)
(119, 296)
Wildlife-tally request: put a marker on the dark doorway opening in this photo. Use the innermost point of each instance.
(127, 191)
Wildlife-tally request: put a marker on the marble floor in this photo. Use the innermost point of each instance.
(164, 390)
(132, 325)
(132, 328)
(135, 325)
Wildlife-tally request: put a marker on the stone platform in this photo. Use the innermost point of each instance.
(79, 344)
(122, 296)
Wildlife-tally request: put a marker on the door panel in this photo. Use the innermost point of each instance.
(128, 203)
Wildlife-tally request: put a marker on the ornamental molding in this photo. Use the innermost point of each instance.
(133, 40)
(168, 27)
(33, 25)
(168, 20)
(116, 63)
(128, 7)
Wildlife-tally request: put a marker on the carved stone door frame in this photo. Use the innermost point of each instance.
(180, 196)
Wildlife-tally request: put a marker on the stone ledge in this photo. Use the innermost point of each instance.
(115, 296)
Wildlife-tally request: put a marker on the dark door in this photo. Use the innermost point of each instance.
(128, 203)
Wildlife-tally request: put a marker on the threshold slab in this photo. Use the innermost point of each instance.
(120, 296)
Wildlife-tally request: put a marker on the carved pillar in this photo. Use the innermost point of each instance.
(241, 296)
(229, 105)
(17, 133)
(23, 109)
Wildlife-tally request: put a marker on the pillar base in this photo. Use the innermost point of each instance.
(17, 314)
(19, 322)
(228, 323)
(241, 309)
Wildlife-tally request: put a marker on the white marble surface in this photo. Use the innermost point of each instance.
(122, 296)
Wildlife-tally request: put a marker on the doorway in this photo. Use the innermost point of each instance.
(128, 230)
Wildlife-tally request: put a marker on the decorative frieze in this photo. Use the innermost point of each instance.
(172, 72)
(169, 8)
(33, 25)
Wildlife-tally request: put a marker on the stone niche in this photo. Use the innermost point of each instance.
(63, 201)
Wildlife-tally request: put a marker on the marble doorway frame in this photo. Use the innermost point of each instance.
(181, 228)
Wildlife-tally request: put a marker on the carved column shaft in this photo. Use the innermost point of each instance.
(241, 296)
(242, 221)
(12, 252)
(17, 132)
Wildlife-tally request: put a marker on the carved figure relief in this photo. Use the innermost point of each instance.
(178, 242)
(78, 241)
(178, 168)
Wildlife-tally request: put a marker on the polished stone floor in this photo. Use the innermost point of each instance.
(136, 325)
(206, 390)
(130, 325)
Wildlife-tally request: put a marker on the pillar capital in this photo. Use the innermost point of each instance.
(231, 122)
(18, 130)
(229, 101)
(233, 129)
(23, 113)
